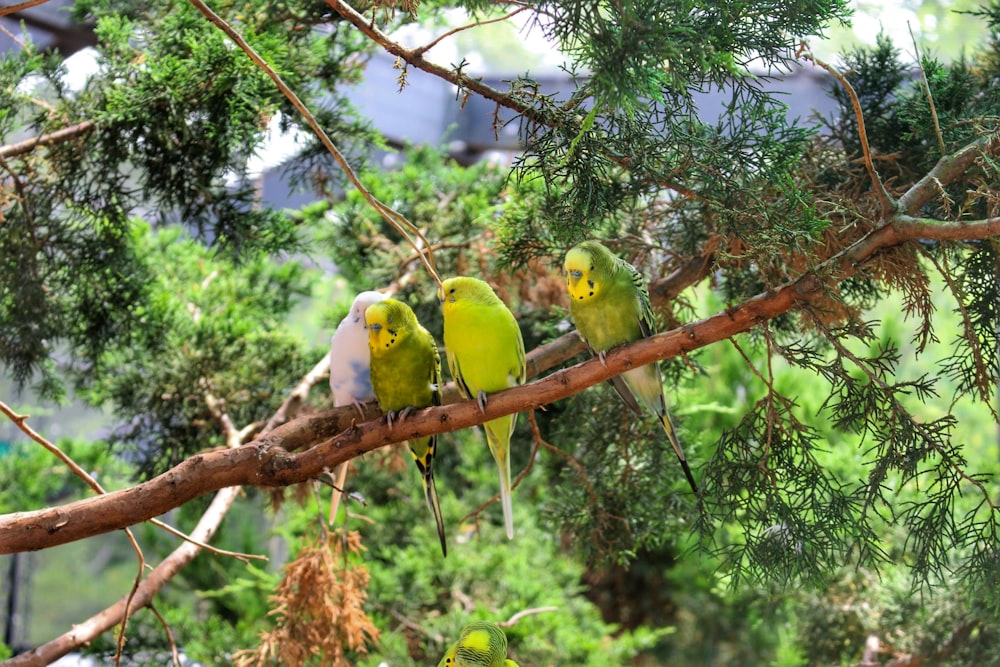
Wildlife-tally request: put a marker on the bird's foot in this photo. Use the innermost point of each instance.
(481, 400)
(603, 356)
(389, 416)
(360, 407)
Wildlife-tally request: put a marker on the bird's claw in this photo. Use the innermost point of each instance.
(481, 401)
(603, 356)
(389, 416)
(360, 407)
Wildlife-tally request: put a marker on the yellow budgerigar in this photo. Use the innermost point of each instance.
(610, 306)
(406, 374)
(481, 644)
(485, 354)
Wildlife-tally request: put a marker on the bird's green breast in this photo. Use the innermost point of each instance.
(485, 340)
(402, 378)
(611, 318)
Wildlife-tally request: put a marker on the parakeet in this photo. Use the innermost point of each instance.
(610, 306)
(406, 373)
(485, 352)
(481, 644)
(350, 381)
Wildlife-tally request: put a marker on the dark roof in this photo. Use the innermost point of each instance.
(49, 26)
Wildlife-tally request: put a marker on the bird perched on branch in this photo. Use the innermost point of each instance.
(610, 307)
(481, 644)
(350, 379)
(485, 352)
(406, 374)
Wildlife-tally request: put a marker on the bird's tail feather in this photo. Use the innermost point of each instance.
(340, 477)
(668, 426)
(498, 437)
(430, 491)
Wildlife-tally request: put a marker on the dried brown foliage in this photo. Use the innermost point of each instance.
(319, 608)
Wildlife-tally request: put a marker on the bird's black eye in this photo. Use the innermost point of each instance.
(451, 291)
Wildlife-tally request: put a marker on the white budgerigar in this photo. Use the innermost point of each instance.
(350, 376)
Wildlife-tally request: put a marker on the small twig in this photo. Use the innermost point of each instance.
(57, 137)
(416, 627)
(174, 654)
(14, 38)
(888, 205)
(421, 50)
(299, 394)
(525, 612)
(246, 558)
(21, 6)
(467, 83)
(573, 463)
(394, 218)
(927, 90)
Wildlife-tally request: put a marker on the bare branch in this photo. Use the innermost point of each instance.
(50, 139)
(525, 612)
(103, 621)
(420, 51)
(464, 82)
(21, 422)
(393, 217)
(142, 593)
(888, 205)
(927, 90)
(21, 6)
(947, 170)
(415, 58)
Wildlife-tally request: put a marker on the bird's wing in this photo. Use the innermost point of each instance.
(618, 383)
(456, 374)
(435, 373)
(646, 322)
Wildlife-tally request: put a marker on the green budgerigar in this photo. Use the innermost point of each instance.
(481, 644)
(406, 374)
(610, 307)
(485, 353)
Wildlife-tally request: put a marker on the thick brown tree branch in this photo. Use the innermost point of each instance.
(50, 139)
(271, 460)
(142, 595)
(947, 170)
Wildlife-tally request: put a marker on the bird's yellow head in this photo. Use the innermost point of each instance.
(454, 291)
(388, 323)
(580, 265)
(479, 642)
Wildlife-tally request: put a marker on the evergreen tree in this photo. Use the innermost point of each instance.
(138, 268)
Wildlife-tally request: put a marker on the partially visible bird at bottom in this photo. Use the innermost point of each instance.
(485, 351)
(481, 644)
(406, 374)
(610, 307)
(350, 379)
